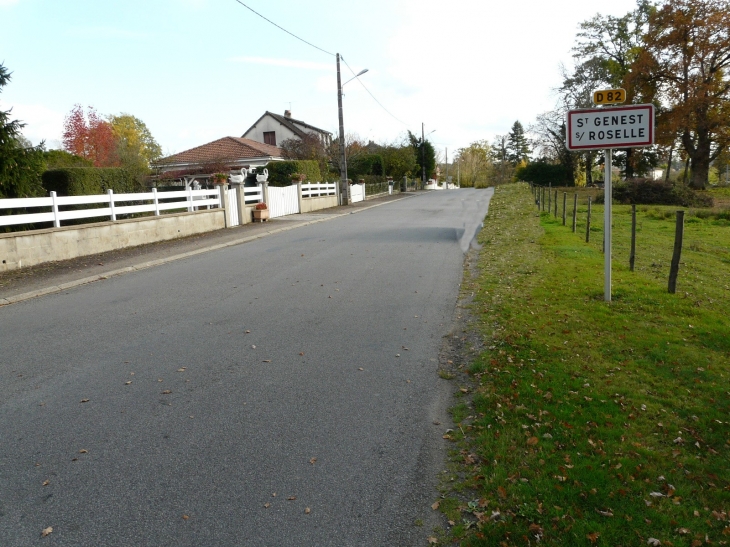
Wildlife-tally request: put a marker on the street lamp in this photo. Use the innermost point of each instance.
(423, 155)
(343, 159)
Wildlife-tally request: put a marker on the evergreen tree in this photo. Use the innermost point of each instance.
(518, 149)
(21, 165)
(424, 153)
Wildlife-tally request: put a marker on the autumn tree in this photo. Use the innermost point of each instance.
(136, 148)
(309, 147)
(606, 49)
(88, 135)
(474, 164)
(685, 67)
(21, 164)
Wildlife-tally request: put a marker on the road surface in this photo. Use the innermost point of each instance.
(279, 392)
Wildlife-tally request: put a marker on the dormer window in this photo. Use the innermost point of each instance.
(270, 137)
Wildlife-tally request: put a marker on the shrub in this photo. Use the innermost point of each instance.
(280, 172)
(642, 191)
(542, 173)
(82, 181)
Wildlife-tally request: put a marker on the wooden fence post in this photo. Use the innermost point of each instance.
(678, 236)
(565, 202)
(575, 210)
(588, 221)
(632, 256)
(550, 196)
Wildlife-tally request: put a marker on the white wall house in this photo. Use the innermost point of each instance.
(273, 129)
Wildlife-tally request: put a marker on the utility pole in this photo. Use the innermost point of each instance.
(343, 159)
(423, 156)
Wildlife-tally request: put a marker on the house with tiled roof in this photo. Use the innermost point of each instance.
(226, 154)
(273, 129)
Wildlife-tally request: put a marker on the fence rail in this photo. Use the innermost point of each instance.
(111, 205)
(318, 189)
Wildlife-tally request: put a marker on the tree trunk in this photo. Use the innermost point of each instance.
(629, 171)
(701, 161)
(589, 169)
(669, 164)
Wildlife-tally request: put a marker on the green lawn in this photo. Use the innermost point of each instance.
(589, 423)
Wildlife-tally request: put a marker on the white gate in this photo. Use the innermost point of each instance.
(283, 201)
(357, 193)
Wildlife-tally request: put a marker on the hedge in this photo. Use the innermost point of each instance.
(85, 181)
(544, 173)
(643, 191)
(280, 172)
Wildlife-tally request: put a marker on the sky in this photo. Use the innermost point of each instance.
(198, 70)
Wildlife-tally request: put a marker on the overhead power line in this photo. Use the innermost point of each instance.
(323, 51)
(373, 96)
(282, 28)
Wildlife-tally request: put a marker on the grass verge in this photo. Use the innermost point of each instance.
(589, 423)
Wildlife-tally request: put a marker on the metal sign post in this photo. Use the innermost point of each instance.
(607, 216)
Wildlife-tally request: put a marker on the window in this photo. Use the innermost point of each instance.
(270, 137)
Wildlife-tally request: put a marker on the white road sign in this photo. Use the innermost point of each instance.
(620, 127)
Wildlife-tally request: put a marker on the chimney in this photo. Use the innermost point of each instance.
(287, 113)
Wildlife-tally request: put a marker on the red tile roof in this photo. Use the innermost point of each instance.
(226, 149)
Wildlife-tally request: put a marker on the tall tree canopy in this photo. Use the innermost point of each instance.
(425, 154)
(474, 164)
(518, 149)
(21, 164)
(685, 68)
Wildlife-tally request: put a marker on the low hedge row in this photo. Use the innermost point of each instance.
(81, 181)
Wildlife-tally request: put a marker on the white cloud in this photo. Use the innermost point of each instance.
(291, 63)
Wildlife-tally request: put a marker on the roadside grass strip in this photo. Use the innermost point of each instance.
(586, 422)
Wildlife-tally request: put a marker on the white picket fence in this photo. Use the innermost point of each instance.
(252, 195)
(111, 205)
(317, 189)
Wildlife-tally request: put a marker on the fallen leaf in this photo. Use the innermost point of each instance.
(291, 498)
(604, 513)
(435, 505)
(84, 400)
(266, 361)
(502, 492)
(654, 542)
(253, 347)
(312, 460)
(432, 540)
(185, 517)
(593, 536)
(248, 332)
(532, 441)
(181, 369)
(166, 392)
(46, 531)
(127, 383)
(307, 510)
(83, 451)
(267, 505)
(360, 368)
(46, 482)
(301, 353)
(683, 531)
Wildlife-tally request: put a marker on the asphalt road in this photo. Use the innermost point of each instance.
(282, 392)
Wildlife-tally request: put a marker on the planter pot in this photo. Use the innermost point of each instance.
(260, 215)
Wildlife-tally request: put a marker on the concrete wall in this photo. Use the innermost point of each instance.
(22, 249)
(314, 204)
